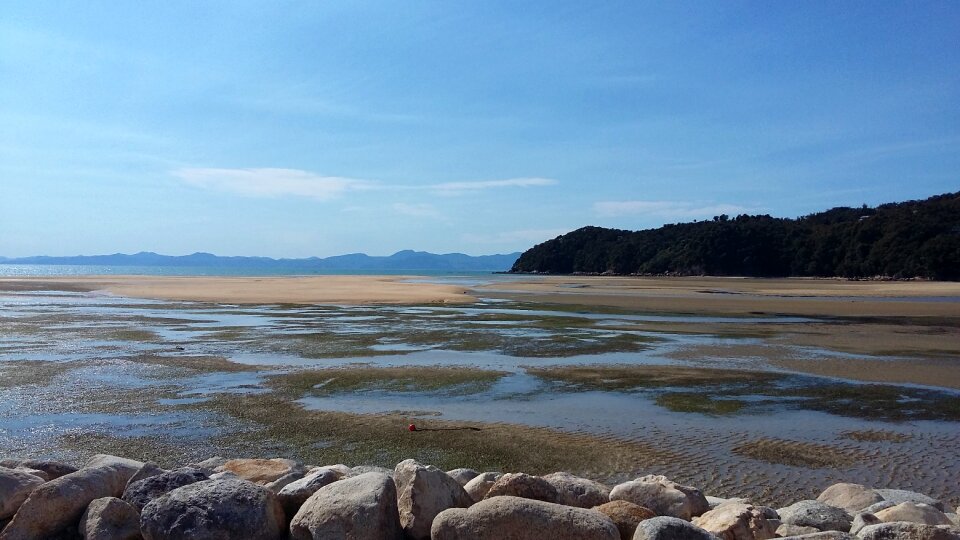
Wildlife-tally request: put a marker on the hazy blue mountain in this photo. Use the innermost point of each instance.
(402, 260)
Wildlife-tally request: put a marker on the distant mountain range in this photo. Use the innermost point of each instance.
(402, 260)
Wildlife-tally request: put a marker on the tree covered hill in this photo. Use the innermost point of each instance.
(899, 240)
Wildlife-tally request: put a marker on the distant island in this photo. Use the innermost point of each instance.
(406, 260)
(913, 239)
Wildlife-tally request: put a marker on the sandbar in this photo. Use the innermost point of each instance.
(339, 290)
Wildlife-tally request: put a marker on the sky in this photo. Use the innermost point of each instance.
(295, 129)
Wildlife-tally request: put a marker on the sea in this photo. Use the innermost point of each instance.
(24, 270)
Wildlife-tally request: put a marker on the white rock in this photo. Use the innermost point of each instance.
(914, 513)
(423, 491)
(109, 518)
(851, 497)
(15, 487)
(663, 496)
(361, 507)
(902, 530)
(736, 521)
(517, 518)
(462, 476)
(576, 491)
(898, 496)
(479, 486)
(294, 494)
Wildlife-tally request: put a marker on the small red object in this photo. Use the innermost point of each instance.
(412, 427)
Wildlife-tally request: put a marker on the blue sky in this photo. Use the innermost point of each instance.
(319, 128)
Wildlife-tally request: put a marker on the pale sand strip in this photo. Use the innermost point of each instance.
(345, 290)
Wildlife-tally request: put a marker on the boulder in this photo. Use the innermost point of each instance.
(129, 466)
(109, 518)
(479, 486)
(517, 518)
(53, 469)
(225, 475)
(575, 491)
(861, 520)
(876, 507)
(149, 469)
(897, 496)
(788, 530)
(214, 510)
(851, 497)
(262, 471)
(625, 515)
(141, 492)
(363, 469)
(423, 491)
(737, 521)
(717, 501)
(279, 483)
(914, 513)
(822, 535)
(670, 528)
(523, 485)
(902, 530)
(15, 487)
(343, 470)
(462, 476)
(60, 503)
(663, 496)
(293, 495)
(211, 465)
(816, 514)
(33, 472)
(361, 507)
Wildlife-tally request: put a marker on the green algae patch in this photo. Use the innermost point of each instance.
(33, 372)
(878, 401)
(799, 454)
(694, 402)
(205, 364)
(622, 377)
(132, 334)
(325, 437)
(447, 380)
(876, 435)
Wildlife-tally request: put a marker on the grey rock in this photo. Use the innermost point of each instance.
(15, 487)
(141, 492)
(851, 497)
(129, 466)
(876, 507)
(663, 496)
(823, 535)
(670, 528)
(210, 465)
(523, 485)
(293, 495)
(109, 518)
(517, 518)
(714, 502)
(149, 469)
(363, 469)
(225, 475)
(278, 484)
(898, 496)
(262, 471)
(788, 530)
(576, 491)
(861, 520)
(816, 514)
(362, 507)
(423, 491)
(59, 504)
(214, 510)
(462, 476)
(902, 530)
(479, 486)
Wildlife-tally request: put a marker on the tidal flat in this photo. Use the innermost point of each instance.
(761, 403)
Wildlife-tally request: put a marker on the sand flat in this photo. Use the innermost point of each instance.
(258, 290)
(741, 296)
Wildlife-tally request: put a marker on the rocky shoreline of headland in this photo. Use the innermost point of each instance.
(114, 498)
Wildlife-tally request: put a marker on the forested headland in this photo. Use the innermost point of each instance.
(913, 239)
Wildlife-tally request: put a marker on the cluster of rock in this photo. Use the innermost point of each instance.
(113, 498)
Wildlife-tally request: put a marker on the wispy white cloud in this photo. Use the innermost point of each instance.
(275, 182)
(524, 237)
(422, 210)
(450, 187)
(272, 182)
(666, 209)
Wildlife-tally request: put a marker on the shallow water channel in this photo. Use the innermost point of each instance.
(79, 364)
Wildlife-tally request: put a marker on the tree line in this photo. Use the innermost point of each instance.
(897, 240)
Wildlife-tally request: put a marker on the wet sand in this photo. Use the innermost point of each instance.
(741, 296)
(256, 290)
